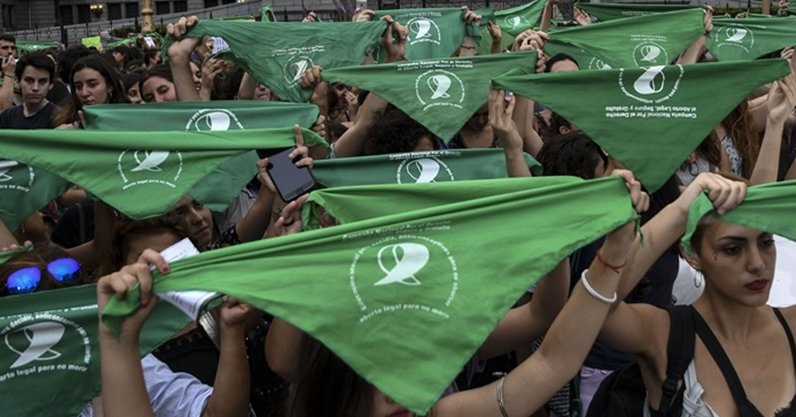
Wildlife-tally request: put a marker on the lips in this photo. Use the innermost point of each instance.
(401, 412)
(758, 285)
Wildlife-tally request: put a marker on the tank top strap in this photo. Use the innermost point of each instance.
(785, 326)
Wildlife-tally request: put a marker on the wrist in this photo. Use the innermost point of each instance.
(8, 75)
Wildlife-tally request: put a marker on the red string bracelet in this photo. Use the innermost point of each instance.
(614, 268)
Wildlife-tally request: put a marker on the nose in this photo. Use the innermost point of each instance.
(194, 216)
(756, 264)
(159, 98)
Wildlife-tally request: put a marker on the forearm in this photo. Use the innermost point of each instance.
(7, 92)
(123, 388)
(523, 118)
(516, 166)
(205, 91)
(230, 396)
(247, 86)
(759, 112)
(183, 80)
(547, 17)
(767, 165)
(281, 347)
(6, 236)
(659, 234)
(352, 142)
(524, 324)
(693, 52)
(253, 226)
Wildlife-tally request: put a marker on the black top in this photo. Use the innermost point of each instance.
(14, 118)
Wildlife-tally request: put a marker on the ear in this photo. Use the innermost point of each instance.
(563, 130)
(692, 259)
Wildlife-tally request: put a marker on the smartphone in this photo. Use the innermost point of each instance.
(291, 181)
(362, 4)
(149, 42)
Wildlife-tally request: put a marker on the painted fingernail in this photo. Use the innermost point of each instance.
(165, 269)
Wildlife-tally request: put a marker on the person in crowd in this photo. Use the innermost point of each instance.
(93, 81)
(35, 72)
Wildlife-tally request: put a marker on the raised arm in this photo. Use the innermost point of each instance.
(532, 383)
(697, 48)
(780, 103)
(179, 58)
(8, 65)
(501, 110)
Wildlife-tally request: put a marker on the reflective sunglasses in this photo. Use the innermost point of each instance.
(27, 280)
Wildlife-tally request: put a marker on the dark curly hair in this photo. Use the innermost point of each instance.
(395, 132)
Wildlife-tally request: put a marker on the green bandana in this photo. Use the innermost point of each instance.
(415, 167)
(767, 207)
(216, 190)
(748, 39)
(49, 364)
(446, 93)
(24, 190)
(267, 14)
(381, 284)
(278, 55)
(433, 33)
(512, 22)
(631, 42)
(142, 174)
(648, 119)
(612, 11)
(31, 46)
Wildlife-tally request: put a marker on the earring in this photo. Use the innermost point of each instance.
(698, 279)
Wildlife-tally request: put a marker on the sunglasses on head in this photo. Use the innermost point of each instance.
(27, 280)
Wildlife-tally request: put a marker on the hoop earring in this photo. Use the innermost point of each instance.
(693, 168)
(699, 279)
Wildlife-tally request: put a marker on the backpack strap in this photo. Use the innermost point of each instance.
(679, 353)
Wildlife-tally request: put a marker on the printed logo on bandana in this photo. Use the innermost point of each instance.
(404, 272)
(141, 167)
(439, 88)
(423, 30)
(598, 64)
(735, 36)
(655, 85)
(647, 54)
(423, 170)
(213, 120)
(15, 176)
(295, 68)
(516, 22)
(43, 342)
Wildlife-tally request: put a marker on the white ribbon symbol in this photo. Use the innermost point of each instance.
(151, 161)
(645, 84)
(736, 34)
(216, 121)
(423, 170)
(409, 259)
(42, 337)
(421, 28)
(439, 84)
(6, 166)
(514, 21)
(301, 68)
(650, 52)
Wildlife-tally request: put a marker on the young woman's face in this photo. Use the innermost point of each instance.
(737, 262)
(158, 90)
(262, 93)
(90, 87)
(195, 220)
(134, 94)
(196, 74)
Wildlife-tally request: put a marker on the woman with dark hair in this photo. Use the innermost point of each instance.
(132, 87)
(93, 81)
(157, 85)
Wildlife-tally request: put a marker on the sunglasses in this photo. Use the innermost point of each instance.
(27, 280)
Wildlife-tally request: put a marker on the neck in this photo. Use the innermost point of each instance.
(31, 109)
(729, 319)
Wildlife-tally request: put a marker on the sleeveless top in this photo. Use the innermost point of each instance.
(736, 162)
(693, 406)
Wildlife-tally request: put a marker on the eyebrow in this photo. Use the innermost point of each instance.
(743, 239)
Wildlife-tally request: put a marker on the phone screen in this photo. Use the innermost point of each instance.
(362, 4)
(290, 181)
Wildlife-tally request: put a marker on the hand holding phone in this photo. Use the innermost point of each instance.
(290, 180)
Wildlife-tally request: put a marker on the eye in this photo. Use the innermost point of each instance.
(767, 243)
(197, 205)
(732, 250)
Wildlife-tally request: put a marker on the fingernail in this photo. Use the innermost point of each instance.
(165, 269)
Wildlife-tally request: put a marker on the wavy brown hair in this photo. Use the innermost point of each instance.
(740, 127)
(114, 255)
